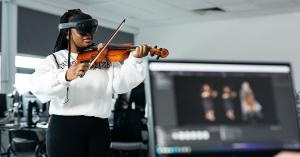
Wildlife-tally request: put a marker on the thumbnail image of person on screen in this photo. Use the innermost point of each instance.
(228, 97)
(251, 108)
(207, 96)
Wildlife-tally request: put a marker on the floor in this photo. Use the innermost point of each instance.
(27, 154)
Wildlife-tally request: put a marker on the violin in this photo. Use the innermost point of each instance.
(115, 53)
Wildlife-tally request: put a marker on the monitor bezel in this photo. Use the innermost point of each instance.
(149, 99)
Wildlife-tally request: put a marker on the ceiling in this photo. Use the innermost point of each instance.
(149, 13)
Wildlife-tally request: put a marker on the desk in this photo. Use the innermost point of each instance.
(39, 131)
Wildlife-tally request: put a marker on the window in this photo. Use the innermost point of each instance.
(25, 67)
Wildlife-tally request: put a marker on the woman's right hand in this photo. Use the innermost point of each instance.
(78, 69)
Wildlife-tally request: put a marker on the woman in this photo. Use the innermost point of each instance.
(80, 106)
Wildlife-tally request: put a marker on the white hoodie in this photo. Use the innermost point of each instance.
(90, 95)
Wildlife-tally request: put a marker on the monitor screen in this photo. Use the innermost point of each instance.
(220, 106)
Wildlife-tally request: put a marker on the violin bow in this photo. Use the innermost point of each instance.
(106, 44)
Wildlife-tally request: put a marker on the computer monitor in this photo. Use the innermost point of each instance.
(3, 104)
(34, 106)
(209, 107)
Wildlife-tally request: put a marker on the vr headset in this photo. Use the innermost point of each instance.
(83, 27)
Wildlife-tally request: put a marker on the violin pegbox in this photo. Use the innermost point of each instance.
(160, 52)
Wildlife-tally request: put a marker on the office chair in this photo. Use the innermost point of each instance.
(26, 140)
(127, 133)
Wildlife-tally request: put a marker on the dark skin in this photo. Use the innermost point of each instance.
(86, 40)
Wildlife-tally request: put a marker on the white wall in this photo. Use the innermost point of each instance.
(267, 38)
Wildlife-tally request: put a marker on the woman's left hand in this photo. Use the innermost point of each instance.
(99, 46)
(141, 51)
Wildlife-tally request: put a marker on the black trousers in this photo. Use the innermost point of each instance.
(77, 136)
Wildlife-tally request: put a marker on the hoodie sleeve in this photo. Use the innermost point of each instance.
(128, 75)
(48, 81)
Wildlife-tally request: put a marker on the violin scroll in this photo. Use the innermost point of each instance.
(160, 52)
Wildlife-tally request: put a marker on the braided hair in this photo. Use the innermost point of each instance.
(62, 42)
